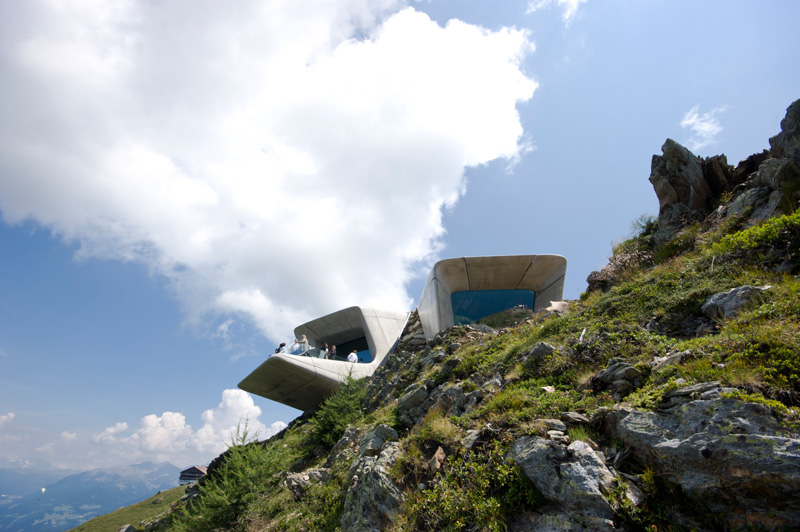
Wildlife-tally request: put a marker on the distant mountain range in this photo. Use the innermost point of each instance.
(70, 498)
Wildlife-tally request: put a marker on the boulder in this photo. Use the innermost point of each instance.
(344, 447)
(683, 193)
(620, 377)
(127, 528)
(728, 304)
(297, 482)
(413, 397)
(574, 478)
(374, 440)
(787, 142)
(372, 499)
(732, 455)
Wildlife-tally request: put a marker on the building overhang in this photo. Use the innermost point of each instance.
(304, 382)
(541, 274)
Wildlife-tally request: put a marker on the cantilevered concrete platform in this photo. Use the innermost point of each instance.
(304, 382)
(541, 274)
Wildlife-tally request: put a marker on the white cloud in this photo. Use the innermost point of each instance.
(69, 436)
(110, 433)
(704, 127)
(169, 438)
(272, 162)
(6, 418)
(570, 7)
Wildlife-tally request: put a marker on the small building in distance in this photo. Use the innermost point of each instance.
(191, 475)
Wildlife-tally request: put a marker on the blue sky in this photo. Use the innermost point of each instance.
(180, 186)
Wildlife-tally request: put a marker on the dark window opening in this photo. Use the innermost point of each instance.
(470, 306)
(359, 344)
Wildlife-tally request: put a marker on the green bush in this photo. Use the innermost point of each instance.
(337, 412)
(248, 472)
(477, 491)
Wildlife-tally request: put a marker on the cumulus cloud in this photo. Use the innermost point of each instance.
(69, 436)
(167, 437)
(271, 162)
(570, 7)
(6, 418)
(704, 127)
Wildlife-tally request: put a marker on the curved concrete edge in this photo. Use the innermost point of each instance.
(381, 328)
(542, 274)
(304, 382)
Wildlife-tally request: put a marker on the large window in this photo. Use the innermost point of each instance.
(359, 344)
(471, 305)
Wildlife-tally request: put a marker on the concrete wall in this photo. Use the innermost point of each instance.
(304, 382)
(542, 274)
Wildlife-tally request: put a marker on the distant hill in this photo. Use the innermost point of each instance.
(18, 478)
(79, 497)
(147, 510)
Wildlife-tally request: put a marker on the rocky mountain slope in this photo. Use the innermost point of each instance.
(664, 399)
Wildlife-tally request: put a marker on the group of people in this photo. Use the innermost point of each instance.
(301, 347)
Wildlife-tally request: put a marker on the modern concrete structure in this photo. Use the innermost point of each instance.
(537, 278)
(466, 289)
(303, 382)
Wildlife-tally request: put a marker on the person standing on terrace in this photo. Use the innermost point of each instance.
(353, 356)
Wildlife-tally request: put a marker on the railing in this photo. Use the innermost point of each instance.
(300, 349)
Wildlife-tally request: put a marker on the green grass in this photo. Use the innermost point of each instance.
(143, 511)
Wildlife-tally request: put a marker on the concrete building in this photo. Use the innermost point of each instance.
(460, 290)
(303, 382)
(468, 288)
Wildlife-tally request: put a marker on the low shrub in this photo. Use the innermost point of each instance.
(338, 412)
(476, 491)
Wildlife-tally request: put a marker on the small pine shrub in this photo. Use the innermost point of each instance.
(337, 412)
(249, 470)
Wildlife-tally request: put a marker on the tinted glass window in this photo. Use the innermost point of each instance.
(471, 305)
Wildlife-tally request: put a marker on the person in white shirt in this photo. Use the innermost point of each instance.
(353, 356)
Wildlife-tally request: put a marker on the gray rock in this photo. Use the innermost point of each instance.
(728, 304)
(573, 478)
(730, 454)
(748, 201)
(127, 528)
(373, 441)
(554, 424)
(787, 142)
(297, 482)
(344, 447)
(769, 209)
(574, 418)
(683, 192)
(774, 173)
(672, 358)
(413, 397)
(619, 377)
(550, 518)
(372, 499)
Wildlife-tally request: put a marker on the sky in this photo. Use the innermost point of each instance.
(182, 183)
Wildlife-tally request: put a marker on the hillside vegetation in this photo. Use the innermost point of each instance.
(146, 510)
(664, 399)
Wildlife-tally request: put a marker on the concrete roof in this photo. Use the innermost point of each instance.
(542, 274)
(304, 382)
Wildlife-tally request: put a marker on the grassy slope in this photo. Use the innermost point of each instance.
(755, 352)
(143, 511)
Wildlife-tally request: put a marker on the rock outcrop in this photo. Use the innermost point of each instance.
(729, 453)
(373, 498)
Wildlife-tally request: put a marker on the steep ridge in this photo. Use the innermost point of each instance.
(664, 399)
